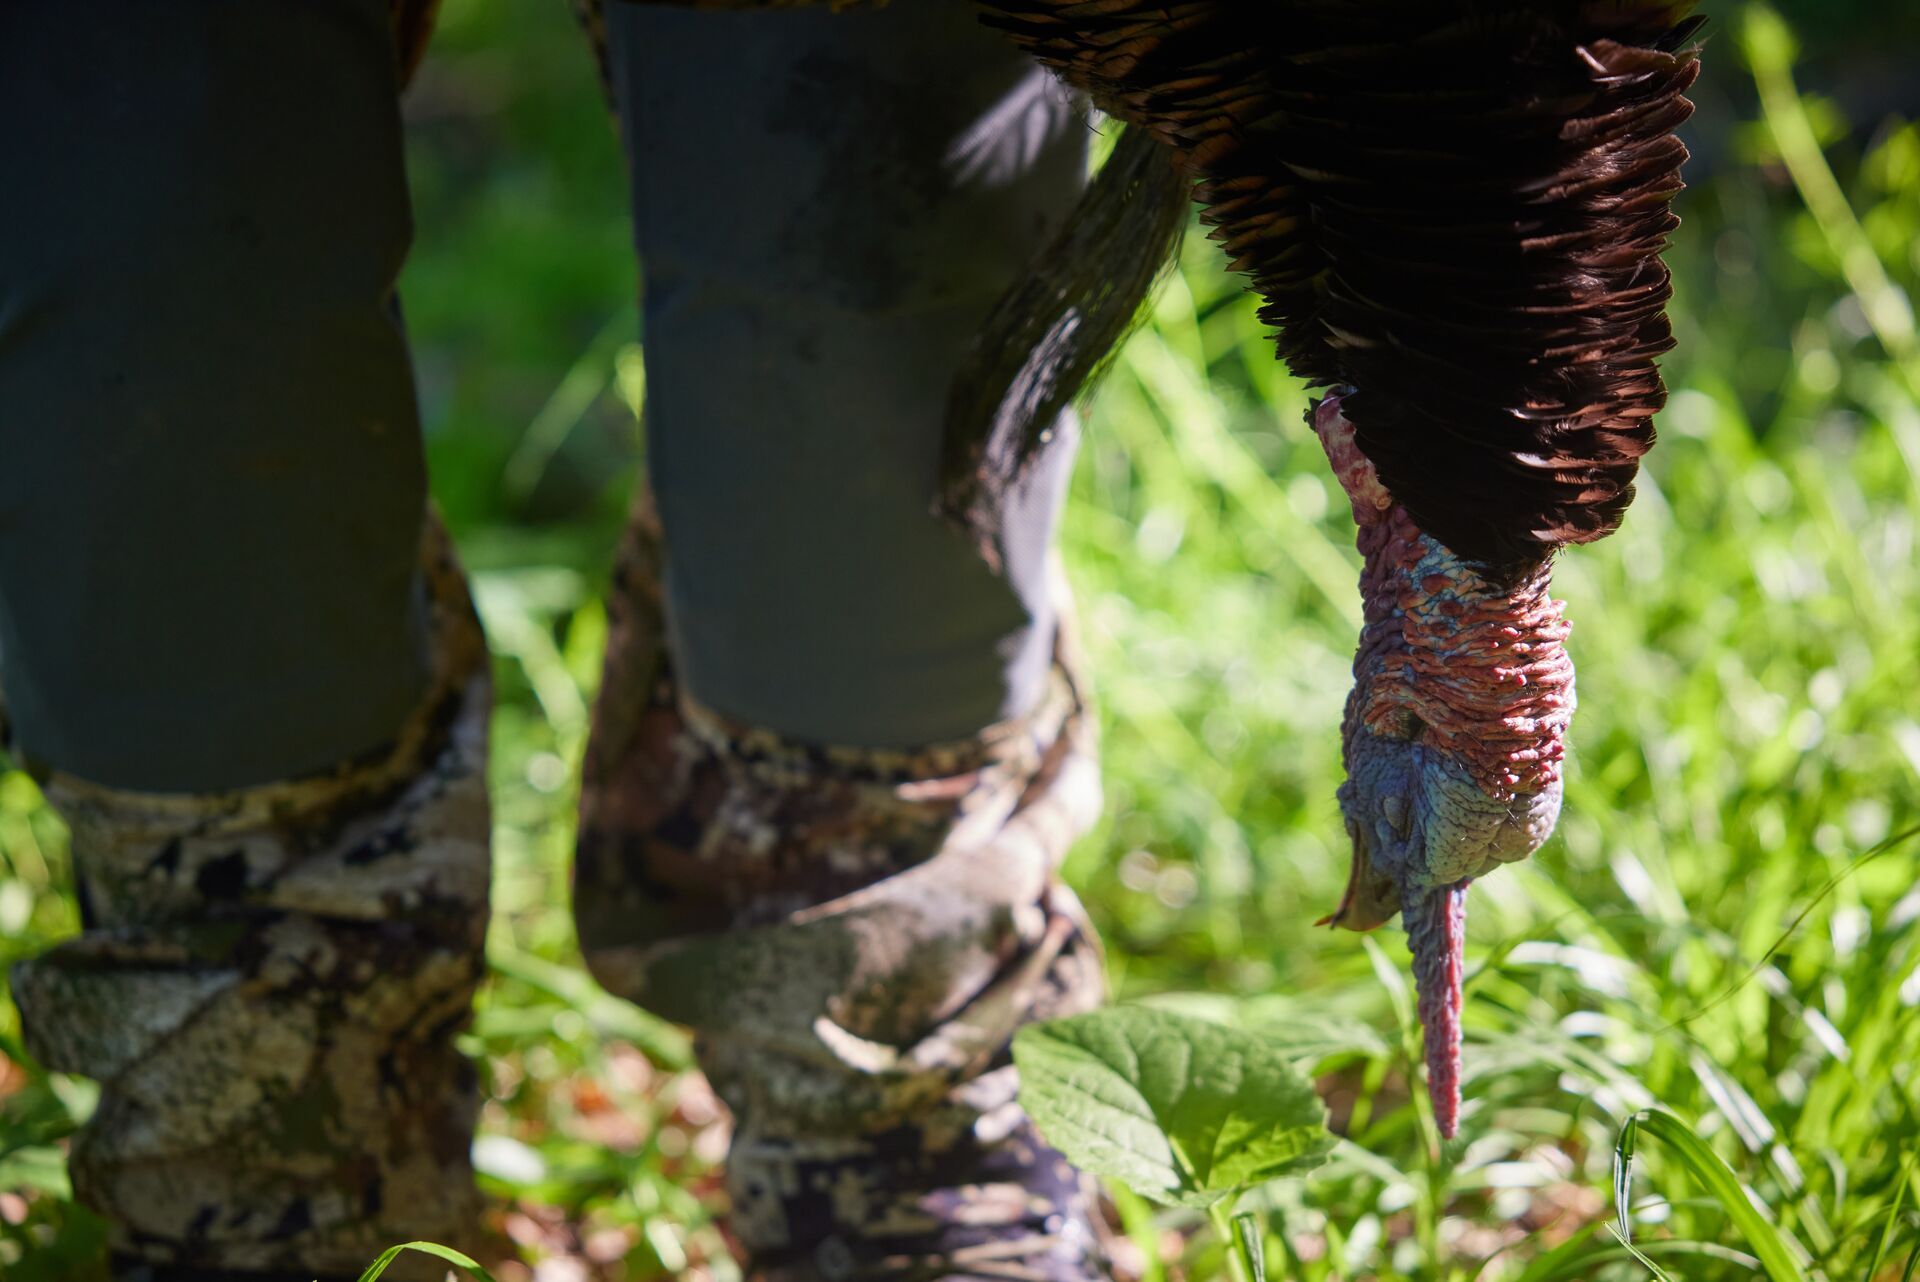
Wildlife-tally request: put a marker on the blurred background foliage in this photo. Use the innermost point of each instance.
(1700, 935)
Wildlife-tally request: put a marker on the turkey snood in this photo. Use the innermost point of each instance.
(1453, 211)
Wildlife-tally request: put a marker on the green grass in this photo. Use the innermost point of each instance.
(1700, 938)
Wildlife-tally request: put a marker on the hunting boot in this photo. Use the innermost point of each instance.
(267, 986)
(854, 936)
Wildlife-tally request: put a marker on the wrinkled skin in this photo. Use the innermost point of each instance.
(1453, 737)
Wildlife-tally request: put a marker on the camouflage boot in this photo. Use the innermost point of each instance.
(267, 988)
(854, 936)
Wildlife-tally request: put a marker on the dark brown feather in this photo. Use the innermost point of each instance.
(1456, 208)
(412, 28)
(1063, 318)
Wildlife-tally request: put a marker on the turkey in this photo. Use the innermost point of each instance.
(1454, 214)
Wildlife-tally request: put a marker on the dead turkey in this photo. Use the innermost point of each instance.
(1454, 212)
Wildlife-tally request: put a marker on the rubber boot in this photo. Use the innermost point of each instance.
(855, 936)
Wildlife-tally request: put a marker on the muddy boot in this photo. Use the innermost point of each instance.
(268, 985)
(855, 936)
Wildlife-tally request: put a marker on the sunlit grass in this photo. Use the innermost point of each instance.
(1749, 658)
(1749, 651)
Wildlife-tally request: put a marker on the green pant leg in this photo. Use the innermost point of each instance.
(260, 708)
(213, 480)
(827, 207)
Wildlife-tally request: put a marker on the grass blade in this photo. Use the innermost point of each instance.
(1893, 1218)
(447, 1253)
(1819, 897)
(1619, 1232)
(1769, 46)
(1248, 1234)
(663, 1043)
(1778, 1252)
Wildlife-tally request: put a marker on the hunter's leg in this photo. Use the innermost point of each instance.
(839, 753)
(245, 667)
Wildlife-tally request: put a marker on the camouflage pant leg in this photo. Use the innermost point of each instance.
(855, 936)
(267, 987)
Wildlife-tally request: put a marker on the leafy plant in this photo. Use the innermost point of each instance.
(1180, 1110)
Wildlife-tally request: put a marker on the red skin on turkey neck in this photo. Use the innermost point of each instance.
(1454, 735)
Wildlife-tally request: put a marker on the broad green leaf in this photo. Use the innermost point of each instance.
(1307, 1031)
(1180, 1110)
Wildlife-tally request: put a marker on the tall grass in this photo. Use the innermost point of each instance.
(1699, 961)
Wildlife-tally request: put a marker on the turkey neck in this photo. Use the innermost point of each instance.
(1476, 665)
